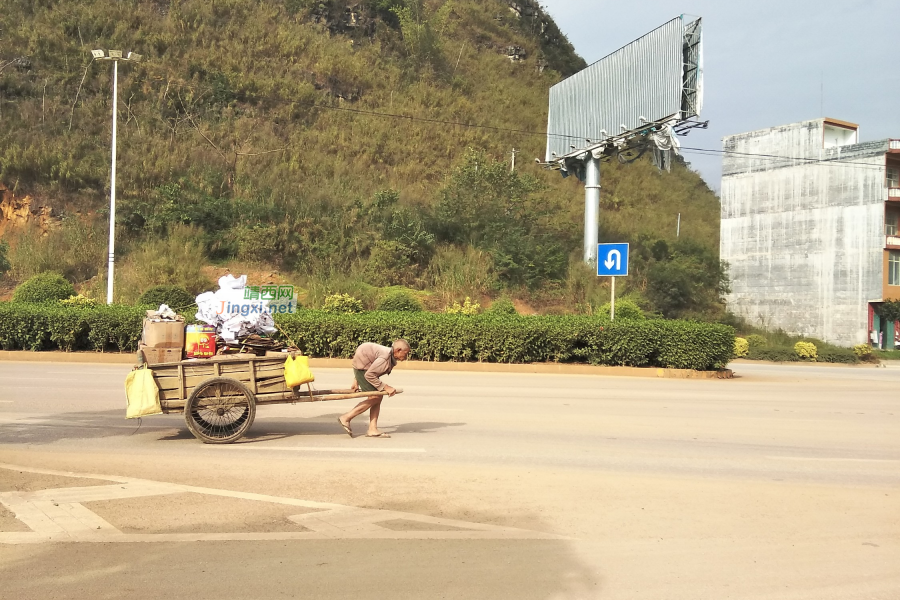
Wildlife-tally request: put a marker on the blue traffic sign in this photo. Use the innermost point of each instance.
(612, 260)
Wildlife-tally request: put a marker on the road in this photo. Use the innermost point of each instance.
(781, 484)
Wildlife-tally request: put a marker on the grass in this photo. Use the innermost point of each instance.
(887, 354)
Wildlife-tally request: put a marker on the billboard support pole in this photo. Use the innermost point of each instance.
(591, 208)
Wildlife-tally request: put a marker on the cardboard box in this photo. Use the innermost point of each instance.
(156, 356)
(163, 334)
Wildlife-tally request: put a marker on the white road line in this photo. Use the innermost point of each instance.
(330, 449)
(424, 408)
(6, 401)
(829, 459)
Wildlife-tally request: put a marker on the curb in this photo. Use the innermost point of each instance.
(417, 365)
(805, 364)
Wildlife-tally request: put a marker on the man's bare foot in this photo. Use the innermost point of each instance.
(378, 434)
(345, 425)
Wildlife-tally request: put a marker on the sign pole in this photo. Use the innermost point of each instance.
(612, 300)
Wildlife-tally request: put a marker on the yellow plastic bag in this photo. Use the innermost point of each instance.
(296, 370)
(142, 394)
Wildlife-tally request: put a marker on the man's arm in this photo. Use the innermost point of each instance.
(373, 374)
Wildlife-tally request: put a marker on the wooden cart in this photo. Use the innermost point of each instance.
(218, 395)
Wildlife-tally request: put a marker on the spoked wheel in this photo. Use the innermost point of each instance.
(220, 410)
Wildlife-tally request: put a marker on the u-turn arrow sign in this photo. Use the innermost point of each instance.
(612, 260)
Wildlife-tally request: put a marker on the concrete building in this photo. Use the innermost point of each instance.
(809, 228)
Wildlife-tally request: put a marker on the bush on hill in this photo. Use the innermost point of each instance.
(44, 287)
(177, 298)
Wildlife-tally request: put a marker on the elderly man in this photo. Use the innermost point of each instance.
(370, 363)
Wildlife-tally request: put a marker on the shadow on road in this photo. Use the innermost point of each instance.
(80, 425)
(325, 425)
(111, 423)
(329, 569)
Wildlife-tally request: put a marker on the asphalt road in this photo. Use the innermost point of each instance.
(783, 483)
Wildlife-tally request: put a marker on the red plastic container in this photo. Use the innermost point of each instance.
(199, 341)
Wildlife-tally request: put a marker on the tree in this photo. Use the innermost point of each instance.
(485, 205)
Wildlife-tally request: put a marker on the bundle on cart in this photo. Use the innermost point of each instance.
(240, 323)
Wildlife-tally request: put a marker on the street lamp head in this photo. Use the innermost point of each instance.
(114, 54)
(134, 56)
(98, 53)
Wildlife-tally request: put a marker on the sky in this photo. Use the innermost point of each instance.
(766, 62)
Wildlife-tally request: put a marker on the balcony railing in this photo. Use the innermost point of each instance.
(892, 240)
(895, 145)
(894, 192)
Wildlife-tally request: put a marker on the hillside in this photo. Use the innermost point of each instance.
(247, 137)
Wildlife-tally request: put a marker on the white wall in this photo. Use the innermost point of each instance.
(839, 136)
(804, 241)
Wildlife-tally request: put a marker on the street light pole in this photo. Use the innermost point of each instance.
(115, 56)
(112, 189)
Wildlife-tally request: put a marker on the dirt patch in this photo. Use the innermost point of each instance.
(197, 513)
(12, 480)
(9, 522)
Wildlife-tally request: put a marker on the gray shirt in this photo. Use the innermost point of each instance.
(376, 360)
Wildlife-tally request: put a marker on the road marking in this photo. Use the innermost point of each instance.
(326, 448)
(74, 424)
(6, 401)
(395, 407)
(830, 459)
(58, 515)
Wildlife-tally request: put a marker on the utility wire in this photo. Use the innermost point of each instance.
(705, 151)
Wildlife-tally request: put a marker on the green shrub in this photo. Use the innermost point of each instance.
(517, 339)
(79, 300)
(862, 350)
(44, 287)
(342, 303)
(805, 350)
(28, 326)
(773, 353)
(466, 308)
(4, 260)
(833, 354)
(177, 298)
(400, 301)
(494, 338)
(625, 309)
(741, 347)
(502, 306)
(756, 341)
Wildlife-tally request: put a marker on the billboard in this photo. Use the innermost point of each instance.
(657, 78)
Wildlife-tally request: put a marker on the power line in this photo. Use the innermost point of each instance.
(708, 151)
(703, 151)
(440, 121)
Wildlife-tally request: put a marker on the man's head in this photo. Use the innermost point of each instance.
(401, 349)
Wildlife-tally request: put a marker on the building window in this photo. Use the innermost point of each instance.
(894, 267)
(893, 177)
(890, 222)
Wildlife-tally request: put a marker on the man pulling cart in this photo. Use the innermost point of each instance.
(371, 362)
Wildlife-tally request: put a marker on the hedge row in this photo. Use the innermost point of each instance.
(517, 339)
(490, 338)
(26, 326)
(827, 354)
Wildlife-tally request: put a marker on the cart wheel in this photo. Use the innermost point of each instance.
(220, 410)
